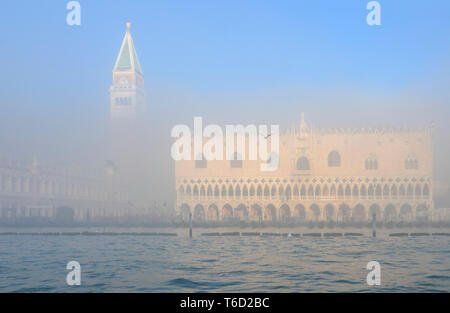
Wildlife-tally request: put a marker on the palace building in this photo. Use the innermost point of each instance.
(337, 175)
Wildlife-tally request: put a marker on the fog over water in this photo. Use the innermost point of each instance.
(70, 137)
(55, 101)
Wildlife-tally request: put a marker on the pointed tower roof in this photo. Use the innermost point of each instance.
(127, 61)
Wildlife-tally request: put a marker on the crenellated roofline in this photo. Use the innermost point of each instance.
(304, 130)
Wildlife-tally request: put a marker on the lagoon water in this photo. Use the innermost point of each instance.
(37, 263)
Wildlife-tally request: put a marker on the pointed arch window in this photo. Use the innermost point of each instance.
(188, 191)
(303, 192)
(296, 191)
(195, 191)
(259, 192)
(426, 192)
(273, 191)
(202, 191)
(252, 191)
(371, 162)
(288, 193)
(216, 191)
(238, 192)
(209, 191)
(245, 192)
(181, 192)
(334, 159)
(411, 162)
(224, 191)
(230, 191)
(303, 164)
(266, 192)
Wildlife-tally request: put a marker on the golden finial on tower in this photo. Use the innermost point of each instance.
(128, 25)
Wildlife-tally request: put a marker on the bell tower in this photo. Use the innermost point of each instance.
(128, 155)
(127, 90)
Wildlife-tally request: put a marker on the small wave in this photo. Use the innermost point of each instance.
(189, 268)
(328, 261)
(232, 273)
(34, 290)
(248, 263)
(327, 273)
(187, 283)
(184, 283)
(348, 282)
(439, 277)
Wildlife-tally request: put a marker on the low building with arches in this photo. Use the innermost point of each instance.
(32, 192)
(324, 175)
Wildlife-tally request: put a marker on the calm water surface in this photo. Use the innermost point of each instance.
(223, 264)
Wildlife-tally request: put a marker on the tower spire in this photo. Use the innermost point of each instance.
(127, 91)
(127, 60)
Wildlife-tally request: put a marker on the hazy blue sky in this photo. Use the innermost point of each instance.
(232, 46)
(225, 60)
